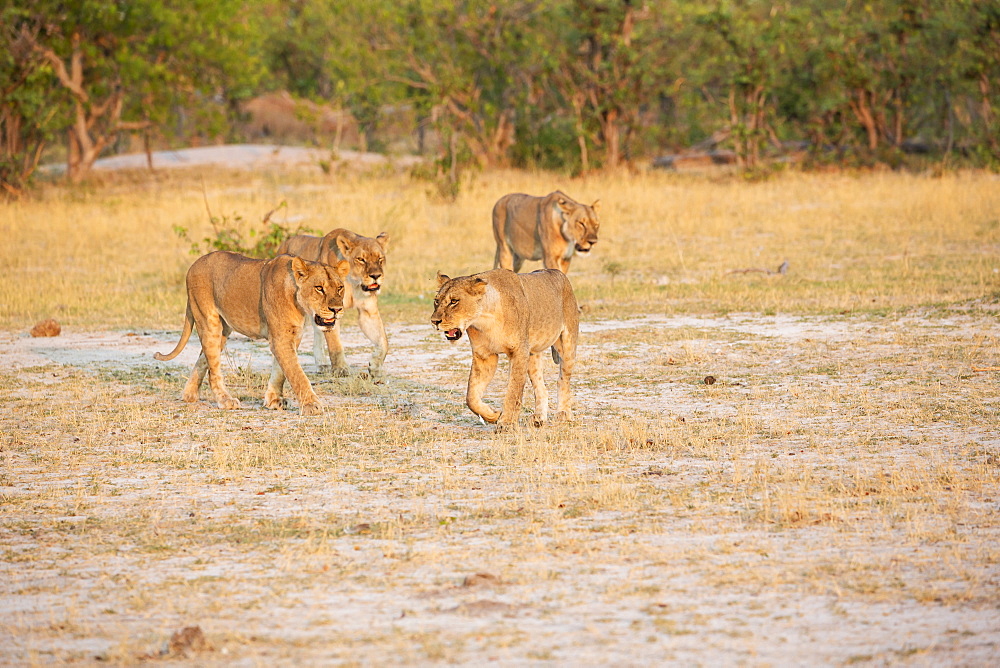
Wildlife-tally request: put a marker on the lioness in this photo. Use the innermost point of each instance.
(550, 229)
(520, 315)
(366, 257)
(263, 299)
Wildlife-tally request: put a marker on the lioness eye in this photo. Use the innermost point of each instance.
(454, 301)
(319, 289)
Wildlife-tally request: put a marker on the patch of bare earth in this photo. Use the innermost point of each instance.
(830, 496)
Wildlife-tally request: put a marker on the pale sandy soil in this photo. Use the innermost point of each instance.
(831, 499)
(242, 156)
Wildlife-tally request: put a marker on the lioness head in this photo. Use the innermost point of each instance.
(320, 290)
(579, 223)
(458, 303)
(366, 257)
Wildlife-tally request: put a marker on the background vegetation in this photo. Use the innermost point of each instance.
(572, 85)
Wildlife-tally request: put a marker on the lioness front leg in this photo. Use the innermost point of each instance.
(483, 370)
(321, 352)
(338, 362)
(286, 357)
(371, 325)
(537, 378)
(515, 387)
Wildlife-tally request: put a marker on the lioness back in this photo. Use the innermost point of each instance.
(305, 246)
(551, 304)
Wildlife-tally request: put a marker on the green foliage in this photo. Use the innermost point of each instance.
(231, 233)
(571, 85)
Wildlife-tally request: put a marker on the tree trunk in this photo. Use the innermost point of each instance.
(612, 138)
(862, 110)
(85, 140)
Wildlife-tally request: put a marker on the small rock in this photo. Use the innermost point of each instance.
(480, 580)
(46, 328)
(710, 380)
(189, 638)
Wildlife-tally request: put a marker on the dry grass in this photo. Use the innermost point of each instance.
(830, 498)
(869, 243)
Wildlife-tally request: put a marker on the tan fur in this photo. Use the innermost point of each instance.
(521, 316)
(366, 257)
(263, 299)
(551, 229)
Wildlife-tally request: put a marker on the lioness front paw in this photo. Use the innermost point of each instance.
(230, 404)
(275, 403)
(491, 418)
(504, 427)
(312, 409)
(341, 371)
(376, 377)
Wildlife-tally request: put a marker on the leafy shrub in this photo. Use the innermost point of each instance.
(230, 233)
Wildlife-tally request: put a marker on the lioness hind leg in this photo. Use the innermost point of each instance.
(537, 378)
(195, 380)
(213, 341)
(566, 349)
(273, 398)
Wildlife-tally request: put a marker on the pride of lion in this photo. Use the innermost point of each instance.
(314, 279)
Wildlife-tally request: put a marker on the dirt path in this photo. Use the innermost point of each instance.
(832, 497)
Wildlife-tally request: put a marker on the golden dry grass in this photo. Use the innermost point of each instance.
(872, 242)
(831, 498)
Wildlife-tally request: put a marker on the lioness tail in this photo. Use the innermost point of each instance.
(185, 335)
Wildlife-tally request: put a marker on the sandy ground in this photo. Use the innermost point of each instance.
(397, 529)
(242, 156)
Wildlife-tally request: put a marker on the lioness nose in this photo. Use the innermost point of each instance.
(435, 321)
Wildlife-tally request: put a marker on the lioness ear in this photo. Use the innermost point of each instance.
(299, 268)
(383, 241)
(442, 279)
(596, 206)
(478, 286)
(344, 245)
(564, 205)
(343, 268)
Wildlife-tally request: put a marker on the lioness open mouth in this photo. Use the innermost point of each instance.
(324, 322)
(453, 334)
(374, 287)
(581, 249)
